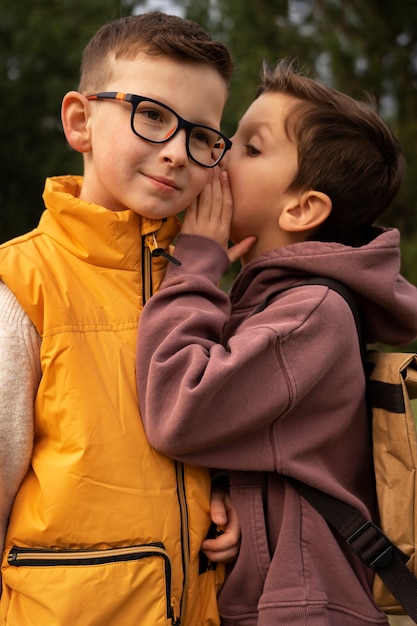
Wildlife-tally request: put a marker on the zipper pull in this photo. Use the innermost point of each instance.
(169, 257)
(12, 557)
(157, 251)
(175, 617)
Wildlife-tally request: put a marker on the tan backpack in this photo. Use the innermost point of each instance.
(392, 386)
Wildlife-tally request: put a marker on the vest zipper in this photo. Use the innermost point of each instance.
(150, 248)
(185, 534)
(40, 557)
(147, 286)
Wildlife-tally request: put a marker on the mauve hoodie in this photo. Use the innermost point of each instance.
(277, 393)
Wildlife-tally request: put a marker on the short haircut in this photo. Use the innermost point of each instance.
(153, 33)
(345, 150)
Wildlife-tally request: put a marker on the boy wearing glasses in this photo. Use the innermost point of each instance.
(98, 528)
(272, 385)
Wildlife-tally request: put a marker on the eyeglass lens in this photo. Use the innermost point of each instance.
(156, 123)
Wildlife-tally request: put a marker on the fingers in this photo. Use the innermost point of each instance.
(221, 550)
(218, 509)
(240, 249)
(225, 547)
(190, 219)
(198, 213)
(195, 214)
(210, 215)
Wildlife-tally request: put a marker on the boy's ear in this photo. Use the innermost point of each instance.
(75, 117)
(309, 211)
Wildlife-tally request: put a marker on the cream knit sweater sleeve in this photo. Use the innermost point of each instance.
(20, 373)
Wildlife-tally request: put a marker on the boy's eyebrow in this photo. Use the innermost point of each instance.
(257, 126)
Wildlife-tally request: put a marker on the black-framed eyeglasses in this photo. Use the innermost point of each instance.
(156, 122)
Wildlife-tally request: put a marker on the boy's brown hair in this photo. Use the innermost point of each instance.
(345, 150)
(154, 33)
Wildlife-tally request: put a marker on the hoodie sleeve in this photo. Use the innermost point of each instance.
(214, 403)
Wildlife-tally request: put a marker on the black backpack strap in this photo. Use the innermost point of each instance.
(366, 539)
(368, 542)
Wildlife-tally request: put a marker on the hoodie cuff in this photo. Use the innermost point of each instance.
(199, 255)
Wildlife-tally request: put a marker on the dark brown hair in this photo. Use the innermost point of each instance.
(153, 33)
(345, 150)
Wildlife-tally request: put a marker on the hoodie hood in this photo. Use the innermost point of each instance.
(388, 302)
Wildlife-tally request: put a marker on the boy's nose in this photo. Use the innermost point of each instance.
(175, 150)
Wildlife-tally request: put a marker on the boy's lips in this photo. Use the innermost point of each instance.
(163, 181)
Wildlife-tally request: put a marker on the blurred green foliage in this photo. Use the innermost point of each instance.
(41, 42)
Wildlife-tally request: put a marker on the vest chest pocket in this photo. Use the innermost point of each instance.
(127, 586)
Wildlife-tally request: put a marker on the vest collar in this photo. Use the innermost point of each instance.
(94, 233)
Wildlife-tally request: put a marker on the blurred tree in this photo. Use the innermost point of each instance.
(254, 31)
(41, 43)
(371, 46)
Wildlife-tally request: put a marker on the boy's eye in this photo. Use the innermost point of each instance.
(201, 136)
(251, 150)
(151, 114)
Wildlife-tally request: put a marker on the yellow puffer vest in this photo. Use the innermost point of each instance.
(104, 531)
